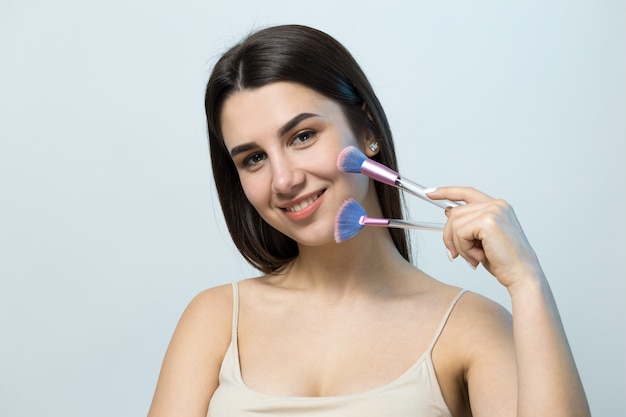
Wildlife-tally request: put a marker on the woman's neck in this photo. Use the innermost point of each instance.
(365, 263)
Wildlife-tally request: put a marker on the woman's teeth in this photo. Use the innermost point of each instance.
(303, 204)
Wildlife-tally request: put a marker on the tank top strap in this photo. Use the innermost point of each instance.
(235, 313)
(444, 320)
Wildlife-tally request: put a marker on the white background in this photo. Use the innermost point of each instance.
(108, 219)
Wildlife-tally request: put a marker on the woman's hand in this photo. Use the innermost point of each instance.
(486, 230)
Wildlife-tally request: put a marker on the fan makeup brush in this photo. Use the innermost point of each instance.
(352, 218)
(351, 159)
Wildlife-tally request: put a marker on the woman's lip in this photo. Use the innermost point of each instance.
(292, 204)
(306, 211)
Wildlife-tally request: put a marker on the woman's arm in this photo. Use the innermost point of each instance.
(548, 378)
(486, 231)
(190, 370)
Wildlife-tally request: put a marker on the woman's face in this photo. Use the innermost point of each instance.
(284, 139)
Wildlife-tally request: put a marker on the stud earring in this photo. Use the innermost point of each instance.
(373, 146)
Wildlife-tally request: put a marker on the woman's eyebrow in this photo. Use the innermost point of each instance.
(294, 122)
(242, 148)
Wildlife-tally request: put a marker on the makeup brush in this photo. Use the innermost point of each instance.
(352, 218)
(351, 159)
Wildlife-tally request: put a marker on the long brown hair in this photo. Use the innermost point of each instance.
(316, 60)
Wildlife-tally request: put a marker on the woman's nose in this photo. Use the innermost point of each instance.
(286, 177)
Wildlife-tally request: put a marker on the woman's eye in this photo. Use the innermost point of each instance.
(254, 159)
(303, 137)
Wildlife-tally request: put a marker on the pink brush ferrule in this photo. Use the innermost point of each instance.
(379, 172)
(374, 221)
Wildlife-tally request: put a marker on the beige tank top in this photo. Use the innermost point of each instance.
(415, 393)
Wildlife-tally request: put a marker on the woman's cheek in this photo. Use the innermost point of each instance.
(253, 189)
(359, 185)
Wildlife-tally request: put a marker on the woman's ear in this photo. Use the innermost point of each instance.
(372, 147)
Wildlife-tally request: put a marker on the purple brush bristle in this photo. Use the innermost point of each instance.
(350, 160)
(348, 222)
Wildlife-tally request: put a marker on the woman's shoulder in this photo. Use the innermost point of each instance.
(478, 336)
(470, 307)
(209, 314)
(189, 374)
(477, 327)
(474, 307)
(216, 303)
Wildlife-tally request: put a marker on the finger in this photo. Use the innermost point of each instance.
(467, 194)
(458, 219)
(462, 233)
(466, 237)
(464, 209)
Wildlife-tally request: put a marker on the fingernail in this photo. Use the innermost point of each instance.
(471, 265)
(429, 190)
(450, 258)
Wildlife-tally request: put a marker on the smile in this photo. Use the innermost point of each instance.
(303, 204)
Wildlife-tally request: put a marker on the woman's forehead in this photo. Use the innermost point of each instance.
(267, 108)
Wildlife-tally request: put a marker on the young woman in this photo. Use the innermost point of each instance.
(351, 328)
